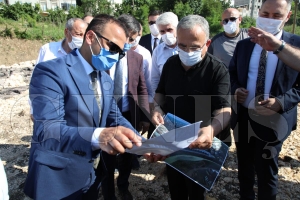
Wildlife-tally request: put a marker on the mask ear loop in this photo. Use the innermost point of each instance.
(98, 43)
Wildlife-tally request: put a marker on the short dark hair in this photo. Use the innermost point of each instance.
(132, 25)
(154, 13)
(100, 21)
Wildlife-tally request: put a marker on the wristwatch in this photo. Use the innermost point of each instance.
(280, 48)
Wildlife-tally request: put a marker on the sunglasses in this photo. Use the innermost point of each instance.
(113, 48)
(151, 22)
(232, 19)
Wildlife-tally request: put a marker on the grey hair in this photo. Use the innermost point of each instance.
(167, 18)
(70, 23)
(288, 2)
(191, 21)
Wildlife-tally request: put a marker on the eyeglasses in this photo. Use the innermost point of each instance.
(151, 22)
(232, 19)
(113, 48)
(192, 49)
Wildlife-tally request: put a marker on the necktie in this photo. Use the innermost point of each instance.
(155, 43)
(261, 76)
(118, 83)
(96, 88)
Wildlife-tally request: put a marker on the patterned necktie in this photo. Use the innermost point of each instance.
(155, 43)
(96, 89)
(261, 76)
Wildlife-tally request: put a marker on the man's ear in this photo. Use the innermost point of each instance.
(208, 43)
(288, 16)
(89, 37)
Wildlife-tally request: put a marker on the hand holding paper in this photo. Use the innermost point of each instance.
(205, 139)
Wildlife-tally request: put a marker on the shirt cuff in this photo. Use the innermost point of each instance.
(95, 138)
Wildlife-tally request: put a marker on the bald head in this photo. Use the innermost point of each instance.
(231, 11)
(231, 20)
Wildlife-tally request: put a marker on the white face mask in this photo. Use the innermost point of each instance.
(75, 43)
(154, 30)
(230, 27)
(191, 58)
(269, 25)
(169, 39)
(136, 41)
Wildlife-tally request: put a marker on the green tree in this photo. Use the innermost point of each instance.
(96, 7)
(212, 11)
(182, 9)
(247, 22)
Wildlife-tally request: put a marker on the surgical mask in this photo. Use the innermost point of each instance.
(230, 27)
(75, 43)
(191, 58)
(154, 30)
(136, 41)
(104, 60)
(269, 25)
(169, 39)
(127, 47)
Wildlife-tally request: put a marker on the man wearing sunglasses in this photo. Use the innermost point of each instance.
(76, 116)
(223, 44)
(151, 40)
(132, 99)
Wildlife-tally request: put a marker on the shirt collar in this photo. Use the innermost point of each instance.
(88, 68)
(166, 46)
(61, 49)
(152, 37)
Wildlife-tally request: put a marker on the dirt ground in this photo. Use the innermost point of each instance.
(15, 50)
(147, 183)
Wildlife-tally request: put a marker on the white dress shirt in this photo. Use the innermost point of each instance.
(147, 65)
(51, 51)
(271, 66)
(160, 55)
(123, 64)
(157, 41)
(89, 69)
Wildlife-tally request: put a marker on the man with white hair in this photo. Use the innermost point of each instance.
(74, 32)
(167, 24)
(194, 86)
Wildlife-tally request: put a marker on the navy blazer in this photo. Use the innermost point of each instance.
(145, 41)
(285, 86)
(66, 114)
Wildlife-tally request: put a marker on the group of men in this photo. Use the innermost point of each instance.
(103, 88)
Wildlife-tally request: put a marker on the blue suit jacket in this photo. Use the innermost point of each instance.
(285, 86)
(66, 114)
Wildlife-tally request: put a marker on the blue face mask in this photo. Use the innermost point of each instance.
(104, 60)
(127, 46)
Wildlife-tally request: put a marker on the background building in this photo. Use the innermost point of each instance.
(248, 8)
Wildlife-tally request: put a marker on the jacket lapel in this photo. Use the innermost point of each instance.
(83, 84)
(280, 65)
(249, 46)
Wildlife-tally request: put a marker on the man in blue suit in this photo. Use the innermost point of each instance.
(266, 93)
(76, 115)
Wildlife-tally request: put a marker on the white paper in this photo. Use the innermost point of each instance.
(170, 142)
